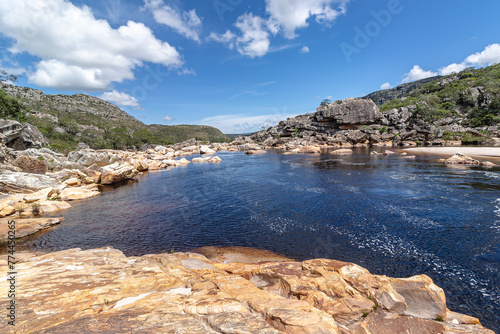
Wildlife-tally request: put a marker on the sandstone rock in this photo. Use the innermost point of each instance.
(73, 182)
(214, 160)
(21, 136)
(117, 172)
(12, 182)
(344, 151)
(389, 152)
(184, 161)
(350, 111)
(39, 195)
(170, 163)
(487, 164)
(47, 206)
(310, 149)
(140, 164)
(26, 226)
(30, 165)
(6, 210)
(198, 160)
(205, 149)
(87, 158)
(66, 174)
(252, 152)
(103, 290)
(462, 159)
(75, 193)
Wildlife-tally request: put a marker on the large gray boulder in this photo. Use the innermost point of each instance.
(350, 112)
(89, 157)
(15, 182)
(21, 136)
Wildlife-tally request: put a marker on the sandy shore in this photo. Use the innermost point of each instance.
(475, 152)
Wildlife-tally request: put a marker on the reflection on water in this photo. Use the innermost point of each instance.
(394, 216)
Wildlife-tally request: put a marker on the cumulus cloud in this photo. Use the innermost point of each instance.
(386, 85)
(253, 40)
(78, 51)
(120, 99)
(291, 15)
(283, 16)
(185, 23)
(417, 73)
(305, 49)
(490, 56)
(168, 118)
(452, 68)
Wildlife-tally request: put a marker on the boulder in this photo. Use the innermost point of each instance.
(251, 152)
(140, 164)
(66, 174)
(310, 149)
(39, 195)
(27, 226)
(21, 136)
(204, 149)
(343, 151)
(198, 160)
(30, 165)
(14, 182)
(75, 193)
(214, 160)
(47, 206)
(350, 112)
(184, 161)
(88, 158)
(117, 172)
(462, 159)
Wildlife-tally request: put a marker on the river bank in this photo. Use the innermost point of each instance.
(255, 160)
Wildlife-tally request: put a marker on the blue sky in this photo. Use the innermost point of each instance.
(236, 64)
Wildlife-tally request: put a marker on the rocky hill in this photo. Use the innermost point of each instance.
(463, 108)
(67, 120)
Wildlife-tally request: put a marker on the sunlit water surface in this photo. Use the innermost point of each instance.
(393, 216)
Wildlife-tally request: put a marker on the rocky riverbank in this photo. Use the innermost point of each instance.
(359, 122)
(103, 291)
(35, 181)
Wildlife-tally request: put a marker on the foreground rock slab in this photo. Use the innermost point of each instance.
(103, 291)
(26, 226)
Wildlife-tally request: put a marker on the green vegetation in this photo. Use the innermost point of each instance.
(439, 318)
(67, 121)
(466, 138)
(473, 94)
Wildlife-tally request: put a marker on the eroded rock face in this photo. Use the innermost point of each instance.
(117, 172)
(21, 136)
(350, 111)
(103, 291)
(14, 182)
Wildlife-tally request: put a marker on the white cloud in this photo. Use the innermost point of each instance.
(452, 68)
(228, 38)
(386, 85)
(417, 73)
(187, 24)
(283, 16)
(241, 123)
(490, 56)
(291, 15)
(186, 71)
(254, 41)
(78, 51)
(120, 99)
(168, 118)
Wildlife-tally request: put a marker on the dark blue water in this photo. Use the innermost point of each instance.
(392, 216)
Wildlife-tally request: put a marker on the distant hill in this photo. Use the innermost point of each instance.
(67, 120)
(383, 96)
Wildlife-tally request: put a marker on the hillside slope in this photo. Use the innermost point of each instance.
(67, 120)
(436, 111)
